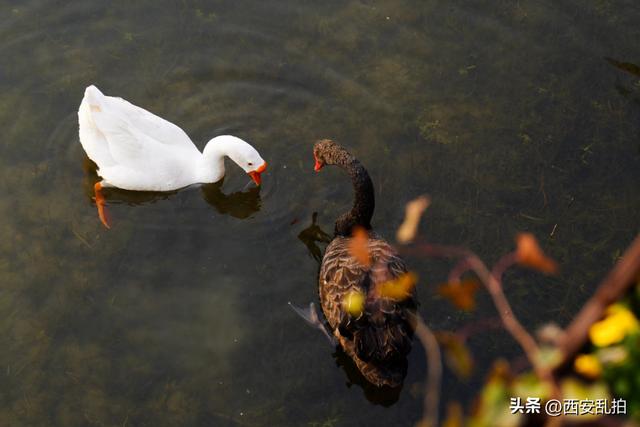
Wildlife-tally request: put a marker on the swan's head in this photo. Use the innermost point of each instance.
(242, 153)
(327, 152)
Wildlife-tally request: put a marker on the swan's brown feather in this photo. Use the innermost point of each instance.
(378, 340)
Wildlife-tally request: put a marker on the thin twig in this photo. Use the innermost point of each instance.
(544, 194)
(458, 270)
(503, 263)
(511, 323)
(434, 373)
(494, 286)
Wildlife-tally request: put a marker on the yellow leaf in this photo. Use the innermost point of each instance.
(399, 288)
(353, 303)
(576, 390)
(528, 384)
(614, 327)
(413, 212)
(588, 365)
(457, 354)
(492, 404)
(529, 254)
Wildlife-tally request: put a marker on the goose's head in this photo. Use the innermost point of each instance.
(241, 152)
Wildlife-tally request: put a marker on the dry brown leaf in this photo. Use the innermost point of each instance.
(529, 254)
(358, 246)
(413, 212)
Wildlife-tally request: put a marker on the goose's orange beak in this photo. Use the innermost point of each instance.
(255, 175)
(318, 164)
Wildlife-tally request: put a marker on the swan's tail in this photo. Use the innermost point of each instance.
(390, 372)
(381, 342)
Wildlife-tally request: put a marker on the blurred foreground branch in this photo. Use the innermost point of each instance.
(548, 361)
(610, 290)
(434, 373)
(492, 280)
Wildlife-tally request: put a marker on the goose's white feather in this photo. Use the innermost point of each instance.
(137, 150)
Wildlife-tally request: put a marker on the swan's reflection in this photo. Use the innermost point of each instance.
(238, 204)
(311, 236)
(385, 396)
(625, 89)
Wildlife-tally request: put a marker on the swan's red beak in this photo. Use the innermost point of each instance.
(318, 165)
(255, 175)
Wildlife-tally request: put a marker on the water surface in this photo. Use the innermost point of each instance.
(507, 114)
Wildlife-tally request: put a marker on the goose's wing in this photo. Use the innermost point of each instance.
(126, 145)
(145, 122)
(99, 115)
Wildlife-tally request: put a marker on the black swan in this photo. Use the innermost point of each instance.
(378, 338)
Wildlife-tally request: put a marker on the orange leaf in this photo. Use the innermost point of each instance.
(455, 415)
(399, 288)
(358, 246)
(461, 294)
(529, 254)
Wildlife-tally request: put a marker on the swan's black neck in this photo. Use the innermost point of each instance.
(364, 204)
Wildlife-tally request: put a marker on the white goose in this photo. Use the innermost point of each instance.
(137, 150)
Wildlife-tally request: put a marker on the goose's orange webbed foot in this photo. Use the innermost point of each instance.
(102, 212)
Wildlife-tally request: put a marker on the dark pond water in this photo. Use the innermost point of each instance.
(507, 113)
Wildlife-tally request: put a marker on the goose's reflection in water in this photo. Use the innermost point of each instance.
(239, 204)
